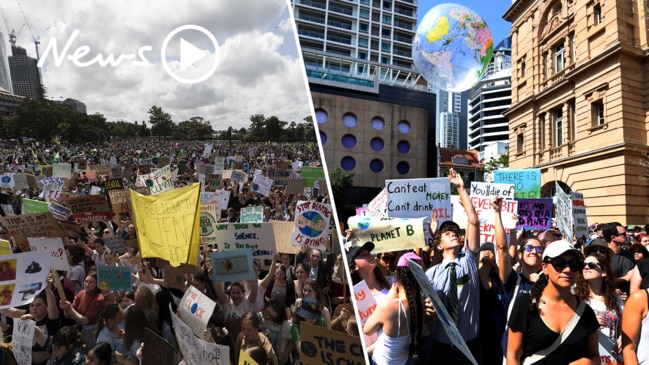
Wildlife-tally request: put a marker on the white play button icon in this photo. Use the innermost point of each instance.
(192, 60)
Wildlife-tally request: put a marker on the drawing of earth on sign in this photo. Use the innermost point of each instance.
(363, 224)
(255, 187)
(311, 224)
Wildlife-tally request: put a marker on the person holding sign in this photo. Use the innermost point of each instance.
(456, 281)
(251, 335)
(86, 308)
(550, 325)
(236, 304)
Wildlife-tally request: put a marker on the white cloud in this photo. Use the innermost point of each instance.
(258, 70)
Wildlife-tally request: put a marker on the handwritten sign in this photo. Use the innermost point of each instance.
(388, 234)
(283, 232)
(378, 206)
(114, 277)
(196, 351)
(22, 339)
(89, 208)
(158, 181)
(256, 236)
(195, 310)
(62, 170)
(51, 187)
(252, 214)
(564, 211)
(526, 182)
(312, 224)
(365, 301)
(319, 343)
(534, 213)
(232, 265)
(114, 184)
(416, 198)
(209, 217)
(579, 214)
(168, 224)
(157, 350)
(262, 185)
(31, 225)
(55, 250)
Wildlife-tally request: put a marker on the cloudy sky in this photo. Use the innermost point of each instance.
(259, 70)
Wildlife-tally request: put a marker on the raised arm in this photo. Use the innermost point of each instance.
(504, 261)
(271, 272)
(473, 224)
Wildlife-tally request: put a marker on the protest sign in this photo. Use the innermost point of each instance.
(114, 184)
(262, 185)
(51, 187)
(579, 215)
(214, 180)
(120, 200)
(7, 181)
(175, 277)
(443, 318)
(158, 181)
(238, 176)
(311, 174)
(481, 196)
(59, 212)
(34, 206)
(55, 250)
(101, 169)
(195, 309)
(22, 340)
(89, 208)
(207, 151)
(312, 224)
(72, 229)
(245, 359)
(22, 276)
(320, 345)
(114, 278)
(5, 248)
(115, 243)
(534, 213)
(196, 351)
(388, 234)
(527, 183)
(62, 170)
(20, 182)
(256, 236)
(116, 172)
(416, 198)
(283, 232)
(377, 207)
(282, 177)
(157, 350)
(232, 265)
(209, 217)
(252, 214)
(564, 212)
(8, 210)
(606, 355)
(168, 224)
(31, 225)
(219, 165)
(365, 302)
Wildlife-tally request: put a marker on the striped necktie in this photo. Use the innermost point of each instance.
(451, 298)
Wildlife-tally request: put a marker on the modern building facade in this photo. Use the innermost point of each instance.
(452, 126)
(5, 78)
(25, 75)
(580, 104)
(489, 99)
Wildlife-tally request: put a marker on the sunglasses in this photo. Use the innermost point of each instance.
(387, 258)
(591, 265)
(560, 264)
(530, 248)
(602, 250)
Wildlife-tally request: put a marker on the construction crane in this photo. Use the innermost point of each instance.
(11, 32)
(35, 39)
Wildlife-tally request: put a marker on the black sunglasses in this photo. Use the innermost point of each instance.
(560, 264)
(602, 250)
(530, 248)
(591, 265)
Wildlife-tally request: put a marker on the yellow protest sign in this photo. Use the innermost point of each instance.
(168, 224)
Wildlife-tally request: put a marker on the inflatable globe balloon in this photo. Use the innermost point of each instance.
(452, 47)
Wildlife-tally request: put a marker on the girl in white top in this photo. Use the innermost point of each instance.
(236, 304)
(397, 318)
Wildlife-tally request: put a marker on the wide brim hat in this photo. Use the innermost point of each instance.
(356, 250)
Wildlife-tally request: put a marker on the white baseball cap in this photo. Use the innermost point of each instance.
(558, 248)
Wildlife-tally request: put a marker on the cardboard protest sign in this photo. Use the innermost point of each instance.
(527, 183)
(168, 224)
(283, 232)
(232, 265)
(62, 170)
(22, 276)
(416, 198)
(34, 206)
(157, 350)
(312, 224)
(196, 351)
(55, 250)
(320, 345)
(158, 181)
(443, 319)
(101, 169)
(209, 218)
(256, 236)
(7, 181)
(114, 277)
(20, 182)
(31, 225)
(89, 208)
(262, 185)
(293, 186)
(115, 243)
(214, 180)
(388, 234)
(120, 201)
(116, 172)
(71, 229)
(175, 277)
(51, 187)
(22, 340)
(237, 176)
(114, 184)
(534, 213)
(564, 212)
(252, 214)
(195, 309)
(579, 215)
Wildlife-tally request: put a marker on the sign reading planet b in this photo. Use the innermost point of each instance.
(452, 47)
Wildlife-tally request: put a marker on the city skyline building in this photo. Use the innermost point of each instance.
(5, 75)
(25, 74)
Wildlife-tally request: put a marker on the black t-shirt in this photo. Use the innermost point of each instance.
(49, 327)
(643, 268)
(623, 262)
(537, 336)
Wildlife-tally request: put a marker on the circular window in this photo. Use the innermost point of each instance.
(349, 120)
(377, 144)
(404, 126)
(376, 165)
(323, 138)
(378, 123)
(403, 146)
(349, 141)
(321, 116)
(348, 163)
(403, 167)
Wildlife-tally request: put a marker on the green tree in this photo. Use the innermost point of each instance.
(256, 129)
(495, 164)
(340, 181)
(161, 123)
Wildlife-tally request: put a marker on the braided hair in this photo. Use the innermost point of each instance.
(537, 290)
(415, 303)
